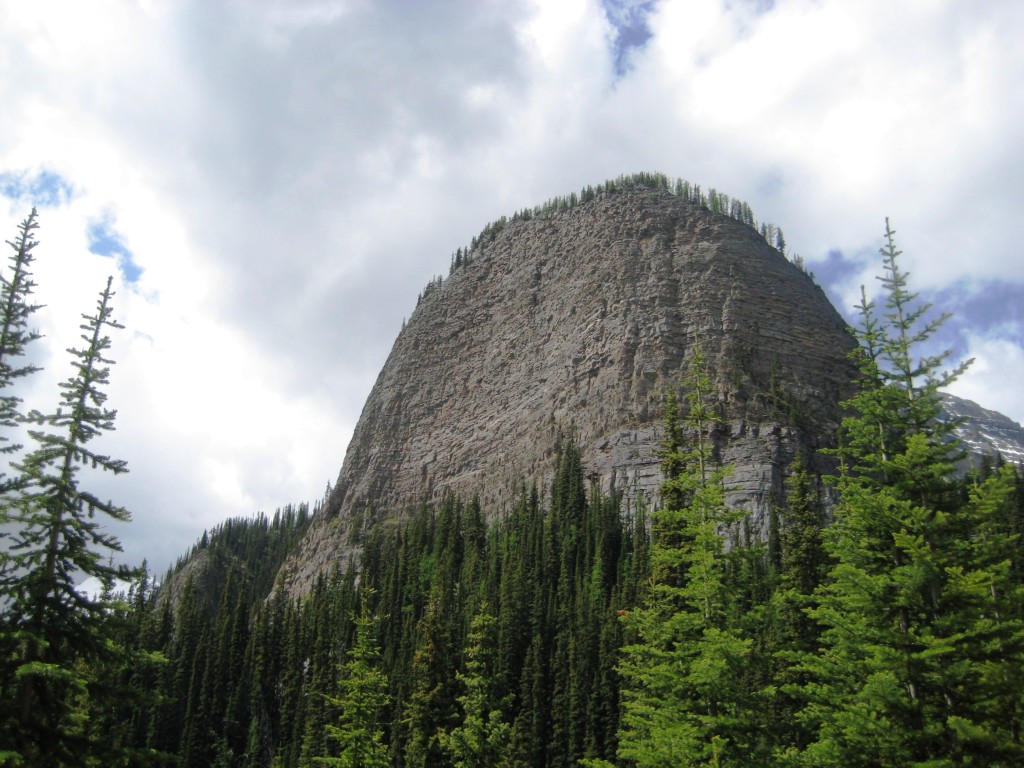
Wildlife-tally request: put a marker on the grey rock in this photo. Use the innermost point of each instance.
(578, 322)
(984, 432)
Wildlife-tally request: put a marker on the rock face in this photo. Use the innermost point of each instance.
(579, 321)
(984, 432)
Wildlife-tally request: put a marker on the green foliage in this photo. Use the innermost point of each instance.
(15, 335)
(257, 545)
(70, 665)
(921, 643)
(530, 682)
(60, 540)
(363, 694)
(685, 702)
(16, 310)
(556, 629)
(482, 738)
(790, 633)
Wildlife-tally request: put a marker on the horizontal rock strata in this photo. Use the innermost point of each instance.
(578, 322)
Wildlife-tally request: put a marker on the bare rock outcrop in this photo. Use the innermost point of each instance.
(579, 321)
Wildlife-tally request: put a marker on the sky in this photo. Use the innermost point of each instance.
(272, 183)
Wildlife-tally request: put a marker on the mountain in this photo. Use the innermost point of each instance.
(577, 320)
(985, 432)
(538, 628)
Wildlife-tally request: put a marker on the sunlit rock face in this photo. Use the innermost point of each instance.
(577, 322)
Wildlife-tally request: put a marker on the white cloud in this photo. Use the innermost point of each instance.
(993, 381)
(289, 175)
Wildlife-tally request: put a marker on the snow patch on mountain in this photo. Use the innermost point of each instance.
(985, 432)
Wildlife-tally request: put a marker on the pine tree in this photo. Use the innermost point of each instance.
(483, 737)
(921, 646)
(363, 695)
(15, 311)
(682, 701)
(51, 630)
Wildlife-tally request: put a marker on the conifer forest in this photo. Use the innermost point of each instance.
(880, 623)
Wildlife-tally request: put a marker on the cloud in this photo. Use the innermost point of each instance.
(630, 28)
(276, 181)
(993, 381)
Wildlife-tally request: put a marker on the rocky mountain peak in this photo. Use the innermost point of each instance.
(577, 321)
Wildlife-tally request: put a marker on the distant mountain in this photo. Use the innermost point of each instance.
(985, 432)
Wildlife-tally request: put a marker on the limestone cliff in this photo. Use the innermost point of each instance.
(579, 321)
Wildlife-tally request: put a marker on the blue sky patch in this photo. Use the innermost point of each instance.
(104, 240)
(770, 183)
(833, 273)
(629, 17)
(988, 308)
(762, 6)
(45, 189)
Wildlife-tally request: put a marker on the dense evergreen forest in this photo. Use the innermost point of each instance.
(570, 627)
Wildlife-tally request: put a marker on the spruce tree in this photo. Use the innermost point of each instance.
(482, 739)
(919, 657)
(15, 311)
(363, 695)
(15, 335)
(683, 703)
(431, 699)
(802, 564)
(52, 632)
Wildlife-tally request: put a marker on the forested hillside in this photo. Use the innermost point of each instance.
(506, 632)
(568, 630)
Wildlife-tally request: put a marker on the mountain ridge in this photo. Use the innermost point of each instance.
(984, 432)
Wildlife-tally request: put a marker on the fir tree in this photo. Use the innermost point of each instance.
(682, 700)
(52, 631)
(792, 633)
(432, 698)
(15, 310)
(920, 651)
(482, 739)
(803, 559)
(359, 736)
